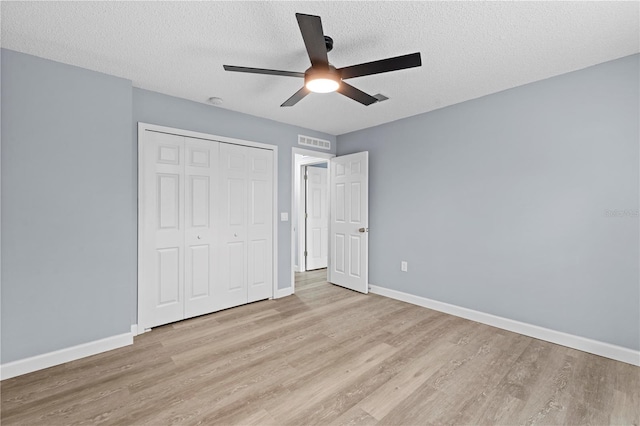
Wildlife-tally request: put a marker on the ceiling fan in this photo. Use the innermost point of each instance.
(322, 77)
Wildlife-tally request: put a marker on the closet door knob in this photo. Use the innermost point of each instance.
(235, 235)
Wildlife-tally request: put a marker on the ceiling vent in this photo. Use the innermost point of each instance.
(313, 142)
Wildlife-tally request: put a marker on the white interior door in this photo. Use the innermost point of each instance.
(349, 222)
(200, 239)
(232, 288)
(162, 254)
(260, 224)
(317, 216)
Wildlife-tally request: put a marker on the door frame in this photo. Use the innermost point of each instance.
(296, 183)
(144, 127)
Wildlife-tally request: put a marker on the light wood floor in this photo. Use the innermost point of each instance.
(329, 356)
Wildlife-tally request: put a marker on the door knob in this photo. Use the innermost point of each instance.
(235, 235)
(363, 230)
(198, 236)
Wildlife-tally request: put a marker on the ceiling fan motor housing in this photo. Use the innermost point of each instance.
(328, 42)
(330, 73)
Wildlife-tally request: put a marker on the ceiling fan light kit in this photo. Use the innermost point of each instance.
(322, 81)
(323, 77)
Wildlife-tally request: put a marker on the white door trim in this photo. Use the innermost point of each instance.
(143, 127)
(295, 188)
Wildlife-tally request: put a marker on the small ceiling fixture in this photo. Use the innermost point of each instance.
(214, 100)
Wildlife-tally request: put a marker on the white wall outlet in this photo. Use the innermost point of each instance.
(403, 266)
(284, 216)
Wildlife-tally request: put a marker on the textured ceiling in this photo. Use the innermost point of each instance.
(469, 49)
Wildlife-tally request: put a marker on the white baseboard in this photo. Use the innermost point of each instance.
(596, 347)
(135, 331)
(283, 292)
(39, 362)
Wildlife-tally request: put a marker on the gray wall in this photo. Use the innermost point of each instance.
(499, 204)
(502, 204)
(69, 198)
(67, 253)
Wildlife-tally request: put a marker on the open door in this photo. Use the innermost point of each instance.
(349, 221)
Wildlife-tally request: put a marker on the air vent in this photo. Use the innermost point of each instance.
(380, 97)
(313, 142)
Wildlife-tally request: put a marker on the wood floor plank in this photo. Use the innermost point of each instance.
(477, 378)
(380, 402)
(311, 389)
(354, 417)
(626, 398)
(328, 355)
(333, 405)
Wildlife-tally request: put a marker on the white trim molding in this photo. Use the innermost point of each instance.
(283, 292)
(596, 347)
(40, 362)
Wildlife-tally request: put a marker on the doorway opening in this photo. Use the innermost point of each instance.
(313, 218)
(309, 211)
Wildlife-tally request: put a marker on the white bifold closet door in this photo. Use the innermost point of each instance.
(161, 298)
(207, 219)
(246, 237)
(200, 227)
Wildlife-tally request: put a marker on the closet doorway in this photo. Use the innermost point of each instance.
(206, 223)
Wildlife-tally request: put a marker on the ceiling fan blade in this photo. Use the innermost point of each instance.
(356, 94)
(311, 29)
(296, 97)
(383, 65)
(263, 71)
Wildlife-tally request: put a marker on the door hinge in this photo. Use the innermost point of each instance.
(305, 253)
(306, 215)
(305, 177)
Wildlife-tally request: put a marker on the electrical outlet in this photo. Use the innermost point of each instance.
(403, 266)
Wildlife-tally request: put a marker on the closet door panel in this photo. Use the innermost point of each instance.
(199, 282)
(232, 287)
(236, 267)
(168, 276)
(162, 221)
(235, 211)
(260, 224)
(200, 235)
